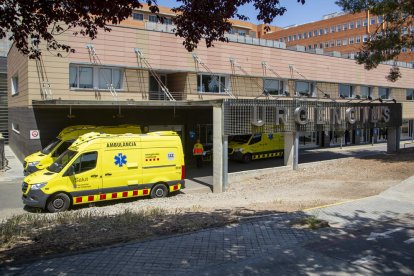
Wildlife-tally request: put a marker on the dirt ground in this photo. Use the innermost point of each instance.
(284, 190)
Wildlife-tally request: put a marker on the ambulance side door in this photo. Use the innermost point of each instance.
(84, 174)
(121, 169)
(256, 143)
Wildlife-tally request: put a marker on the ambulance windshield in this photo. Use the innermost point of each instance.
(50, 147)
(241, 138)
(62, 161)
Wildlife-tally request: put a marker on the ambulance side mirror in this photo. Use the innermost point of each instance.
(70, 171)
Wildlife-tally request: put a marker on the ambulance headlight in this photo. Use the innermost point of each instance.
(38, 186)
(238, 149)
(32, 164)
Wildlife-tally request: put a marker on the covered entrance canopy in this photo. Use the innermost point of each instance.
(295, 115)
(246, 116)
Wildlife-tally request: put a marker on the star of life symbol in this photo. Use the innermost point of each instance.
(120, 160)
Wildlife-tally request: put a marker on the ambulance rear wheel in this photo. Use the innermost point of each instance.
(247, 158)
(159, 190)
(58, 203)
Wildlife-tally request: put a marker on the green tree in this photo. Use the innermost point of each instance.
(44, 20)
(386, 42)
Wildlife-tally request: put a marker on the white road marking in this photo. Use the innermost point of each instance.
(364, 260)
(373, 236)
(409, 241)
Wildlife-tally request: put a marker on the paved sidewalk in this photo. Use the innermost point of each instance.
(263, 246)
(14, 168)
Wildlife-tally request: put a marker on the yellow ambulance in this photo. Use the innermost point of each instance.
(250, 147)
(44, 158)
(99, 167)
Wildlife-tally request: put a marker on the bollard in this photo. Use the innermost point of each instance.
(2, 155)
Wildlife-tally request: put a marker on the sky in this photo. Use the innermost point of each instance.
(312, 10)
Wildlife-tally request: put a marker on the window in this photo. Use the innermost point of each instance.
(289, 38)
(273, 86)
(345, 26)
(309, 47)
(294, 37)
(339, 28)
(384, 92)
(410, 95)
(138, 16)
(321, 45)
(85, 162)
(281, 40)
(365, 38)
(351, 40)
(320, 31)
(358, 39)
(380, 19)
(87, 77)
(243, 33)
(16, 128)
(346, 91)
(315, 46)
(345, 41)
(332, 29)
(373, 21)
(365, 92)
(61, 149)
(108, 76)
(152, 18)
(15, 85)
(332, 43)
(326, 30)
(305, 35)
(167, 21)
(326, 44)
(338, 42)
(299, 36)
(211, 83)
(284, 39)
(256, 139)
(404, 50)
(405, 30)
(304, 88)
(358, 24)
(315, 33)
(309, 34)
(351, 25)
(365, 22)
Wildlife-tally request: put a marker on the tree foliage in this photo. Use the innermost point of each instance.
(37, 20)
(388, 40)
(208, 19)
(44, 20)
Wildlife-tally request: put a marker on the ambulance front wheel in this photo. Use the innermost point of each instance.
(246, 158)
(58, 203)
(159, 190)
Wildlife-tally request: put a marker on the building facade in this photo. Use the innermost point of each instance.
(143, 75)
(338, 32)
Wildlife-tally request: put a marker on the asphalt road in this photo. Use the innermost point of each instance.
(10, 193)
